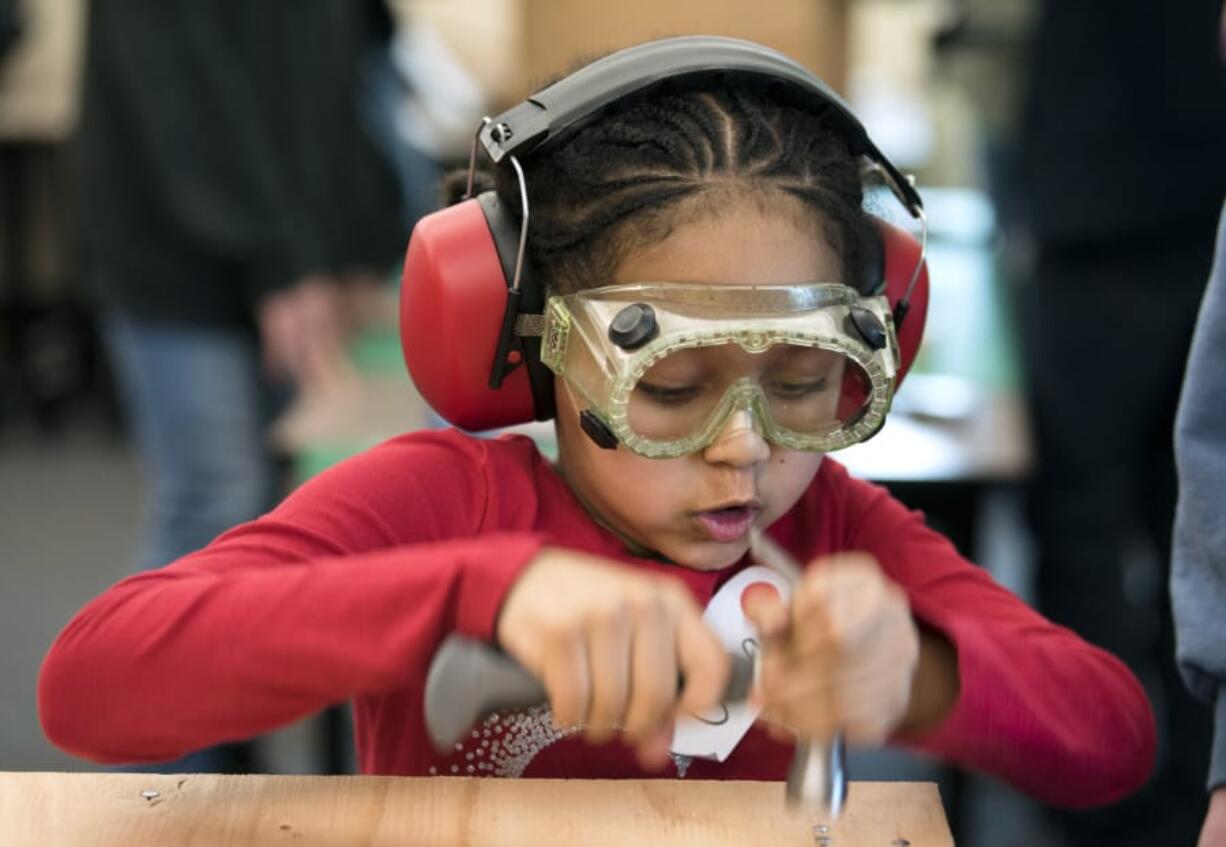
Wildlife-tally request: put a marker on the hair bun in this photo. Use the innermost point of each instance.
(455, 184)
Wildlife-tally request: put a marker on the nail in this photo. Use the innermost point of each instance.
(150, 794)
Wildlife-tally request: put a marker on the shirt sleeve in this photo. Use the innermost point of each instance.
(1198, 567)
(353, 580)
(1038, 706)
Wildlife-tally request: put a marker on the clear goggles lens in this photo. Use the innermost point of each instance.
(802, 390)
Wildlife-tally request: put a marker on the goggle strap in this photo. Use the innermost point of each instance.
(530, 326)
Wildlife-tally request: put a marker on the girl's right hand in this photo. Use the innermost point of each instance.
(609, 642)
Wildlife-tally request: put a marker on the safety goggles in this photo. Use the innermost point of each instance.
(662, 366)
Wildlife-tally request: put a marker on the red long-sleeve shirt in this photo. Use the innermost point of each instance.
(345, 591)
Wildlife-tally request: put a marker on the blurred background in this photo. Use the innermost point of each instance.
(203, 204)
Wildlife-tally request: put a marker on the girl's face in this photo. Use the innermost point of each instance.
(696, 510)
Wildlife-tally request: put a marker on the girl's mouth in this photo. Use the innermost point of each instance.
(729, 523)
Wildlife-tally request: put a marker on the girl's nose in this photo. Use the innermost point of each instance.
(739, 443)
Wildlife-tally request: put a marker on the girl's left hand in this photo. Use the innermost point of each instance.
(842, 657)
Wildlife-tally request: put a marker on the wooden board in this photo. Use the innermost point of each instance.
(100, 810)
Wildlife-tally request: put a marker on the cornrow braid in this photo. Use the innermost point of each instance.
(613, 184)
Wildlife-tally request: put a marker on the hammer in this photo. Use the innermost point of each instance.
(470, 679)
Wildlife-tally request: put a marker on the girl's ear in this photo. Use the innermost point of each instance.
(901, 253)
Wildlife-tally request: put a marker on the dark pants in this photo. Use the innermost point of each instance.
(1105, 333)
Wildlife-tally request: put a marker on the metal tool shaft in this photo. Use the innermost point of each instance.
(817, 779)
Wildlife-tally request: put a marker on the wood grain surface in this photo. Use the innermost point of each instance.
(101, 810)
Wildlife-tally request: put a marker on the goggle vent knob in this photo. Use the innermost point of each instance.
(634, 326)
(868, 326)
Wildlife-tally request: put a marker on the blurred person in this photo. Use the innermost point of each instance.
(1198, 558)
(229, 194)
(1123, 177)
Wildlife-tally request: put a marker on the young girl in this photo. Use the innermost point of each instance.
(713, 225)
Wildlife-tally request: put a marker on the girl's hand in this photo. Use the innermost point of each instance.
(608, 643)
(842, 657)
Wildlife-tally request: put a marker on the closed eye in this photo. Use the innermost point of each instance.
(796, 390)
(668, 395)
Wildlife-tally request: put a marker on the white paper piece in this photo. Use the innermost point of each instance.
(716, 734)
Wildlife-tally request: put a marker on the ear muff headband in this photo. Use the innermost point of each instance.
(458, 313)
(903, 256)
(576, 99)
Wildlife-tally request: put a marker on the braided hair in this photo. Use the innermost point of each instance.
(628, 178)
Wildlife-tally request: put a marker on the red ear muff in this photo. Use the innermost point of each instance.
(902, 252)
(453, 294)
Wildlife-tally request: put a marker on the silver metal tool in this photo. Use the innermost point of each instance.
(817, 779)
(469, 680)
